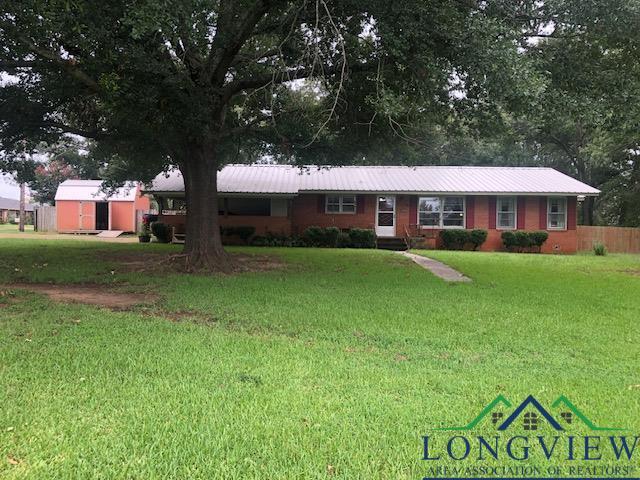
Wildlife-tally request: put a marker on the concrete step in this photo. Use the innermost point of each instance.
(391, 243)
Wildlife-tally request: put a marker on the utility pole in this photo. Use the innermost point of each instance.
(22, 206)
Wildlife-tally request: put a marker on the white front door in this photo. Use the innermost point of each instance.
(386, 216)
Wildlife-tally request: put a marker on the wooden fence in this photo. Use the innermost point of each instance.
(616, 239)
(45, 218)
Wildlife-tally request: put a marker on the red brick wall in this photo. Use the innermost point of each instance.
(308, 210)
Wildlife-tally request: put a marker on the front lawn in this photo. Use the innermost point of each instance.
(332, 365)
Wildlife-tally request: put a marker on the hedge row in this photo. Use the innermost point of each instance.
(330, 237)
(521, 241)
(459, 239)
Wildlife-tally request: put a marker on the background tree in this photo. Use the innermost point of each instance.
(69, 162)
(200, 83)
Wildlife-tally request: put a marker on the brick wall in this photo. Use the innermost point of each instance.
(309, 210)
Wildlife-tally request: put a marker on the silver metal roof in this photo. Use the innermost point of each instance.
(284, 179)
(12, 204)
(91, 190)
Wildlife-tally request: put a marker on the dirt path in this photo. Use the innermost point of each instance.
(87, 294)
(439, 269)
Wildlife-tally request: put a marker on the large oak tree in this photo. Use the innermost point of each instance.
(201, 83)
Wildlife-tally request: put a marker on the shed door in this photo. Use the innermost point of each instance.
(87, 215)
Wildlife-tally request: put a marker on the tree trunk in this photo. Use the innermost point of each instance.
(203, 243)
(587, 210)
(22, 207)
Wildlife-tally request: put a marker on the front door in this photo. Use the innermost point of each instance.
(386, 216)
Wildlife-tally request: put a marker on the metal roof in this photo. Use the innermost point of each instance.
(285, 179)
(12, 204)
(91, 190)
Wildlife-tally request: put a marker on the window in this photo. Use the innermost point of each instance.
(341, 204)
(247, 206)
(556, 213)
(441, 212)
(530, 421)
(506, 213)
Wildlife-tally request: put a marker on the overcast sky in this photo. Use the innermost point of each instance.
(8, 188)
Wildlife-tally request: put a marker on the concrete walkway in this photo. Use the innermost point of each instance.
(439, 269)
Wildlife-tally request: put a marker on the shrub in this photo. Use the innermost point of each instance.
(509, 240)
(362, 238)
(523, 241)
(259, 241)
(313, 236)
(477, 237)
(331, 236)
(538, 238)
(162, 232)
(344, 240)
(321, 237)
(244, 232)
(454, 239)
(599, 249)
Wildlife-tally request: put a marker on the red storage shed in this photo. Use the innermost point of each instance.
(82, 207)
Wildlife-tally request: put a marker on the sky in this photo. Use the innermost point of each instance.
(9, 188)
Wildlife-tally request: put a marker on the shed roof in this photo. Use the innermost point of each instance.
(91, 190)
(285, 179)
(12, 204)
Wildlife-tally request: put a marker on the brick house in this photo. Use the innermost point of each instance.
(394, 201)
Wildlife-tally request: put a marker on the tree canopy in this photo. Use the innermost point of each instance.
(201, 83)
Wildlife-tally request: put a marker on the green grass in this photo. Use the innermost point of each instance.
(13, 228)
(334, 366)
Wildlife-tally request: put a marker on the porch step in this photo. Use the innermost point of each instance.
(178, 238)
(391, 243)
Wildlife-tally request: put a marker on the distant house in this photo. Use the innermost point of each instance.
(10, 210)
(82, 206)
(394, 201)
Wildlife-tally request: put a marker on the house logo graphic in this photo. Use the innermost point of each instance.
(532, 414)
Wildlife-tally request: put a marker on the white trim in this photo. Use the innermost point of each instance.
(515, 213)
(441, 226)
(341, 204)
(566, 213)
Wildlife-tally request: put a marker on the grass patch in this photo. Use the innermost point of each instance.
(333, 366)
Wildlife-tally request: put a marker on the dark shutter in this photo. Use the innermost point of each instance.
(360, 199)
(321, 203)
(572, 212)
(522, 212)
(492, 213)
(543, 213)
(470, 214)
(413, 210)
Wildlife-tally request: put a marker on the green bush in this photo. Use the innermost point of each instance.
(331, 236)
(244, 232)
(362, 238)
(321, 237)
(538, 238)
(259, 241)
(162, 232)
(313, 236)
(454, 239)
(599, 249)
(477, 237)
(521, 241)
(509, 240)
(344, 240)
